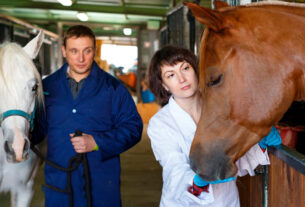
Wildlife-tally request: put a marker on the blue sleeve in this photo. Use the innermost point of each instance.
(127, 126)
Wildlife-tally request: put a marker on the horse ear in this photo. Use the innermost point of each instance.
(220, 4)
(32, 48)
(210, 18)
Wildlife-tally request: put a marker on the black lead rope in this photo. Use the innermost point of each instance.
(74, 162)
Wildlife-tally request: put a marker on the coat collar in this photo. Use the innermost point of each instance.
(93, 73)
(184, 121)
(89, 84)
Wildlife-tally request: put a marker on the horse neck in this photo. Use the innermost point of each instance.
(298, 47)
(291, 44)
(300, 83)
(294, 10)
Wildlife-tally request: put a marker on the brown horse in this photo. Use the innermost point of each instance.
(252, 67)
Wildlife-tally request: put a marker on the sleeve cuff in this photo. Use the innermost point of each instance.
(95, 148)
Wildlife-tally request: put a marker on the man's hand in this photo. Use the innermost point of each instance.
(83, 144)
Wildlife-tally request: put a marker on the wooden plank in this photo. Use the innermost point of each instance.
(286, 186)
(250, 190)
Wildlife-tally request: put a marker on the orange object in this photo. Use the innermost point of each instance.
(147, 110)
(289, 135)
(129, 79)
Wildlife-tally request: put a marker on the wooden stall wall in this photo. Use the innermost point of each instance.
(286, 185)
(250, 190)
(285, 182)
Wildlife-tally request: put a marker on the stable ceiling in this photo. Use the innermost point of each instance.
(106, 17)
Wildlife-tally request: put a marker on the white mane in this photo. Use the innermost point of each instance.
(16, 66)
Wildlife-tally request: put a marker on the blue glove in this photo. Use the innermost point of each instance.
(200, 182)
(273, 138)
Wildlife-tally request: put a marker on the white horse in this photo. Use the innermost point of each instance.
(20, 90)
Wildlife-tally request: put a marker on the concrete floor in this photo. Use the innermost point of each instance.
(141, 179)
(141, 176)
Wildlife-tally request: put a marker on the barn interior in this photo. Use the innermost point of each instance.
(128, 33)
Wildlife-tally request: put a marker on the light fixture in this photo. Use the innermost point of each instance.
(127, 31)
(65, 2)
(82, 16)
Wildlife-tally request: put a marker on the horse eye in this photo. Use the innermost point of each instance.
(35, 87)
(216, 81)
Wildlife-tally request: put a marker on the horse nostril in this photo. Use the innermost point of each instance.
(10, 154)
(26, 148)
(193, 164)
(6, 147)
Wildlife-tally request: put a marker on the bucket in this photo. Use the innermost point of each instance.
(289, 135)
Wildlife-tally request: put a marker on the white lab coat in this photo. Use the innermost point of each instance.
(171, 131)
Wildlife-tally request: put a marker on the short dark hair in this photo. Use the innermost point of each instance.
(168, 55)
(79, 31)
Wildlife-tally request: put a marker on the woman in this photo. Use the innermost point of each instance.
(173, 78)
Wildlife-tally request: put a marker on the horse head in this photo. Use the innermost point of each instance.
(20, 90)
(251, 70)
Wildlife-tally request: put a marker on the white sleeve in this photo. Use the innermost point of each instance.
(177, 174)
(249, 161)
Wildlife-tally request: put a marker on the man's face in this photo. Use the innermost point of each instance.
(79, 53)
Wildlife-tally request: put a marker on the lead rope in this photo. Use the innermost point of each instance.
(77, 159)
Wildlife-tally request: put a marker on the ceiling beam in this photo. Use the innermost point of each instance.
(83, 7)
(66, 21)
(27, 25)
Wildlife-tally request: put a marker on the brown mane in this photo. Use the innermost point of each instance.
(201, 61)
(284, 6)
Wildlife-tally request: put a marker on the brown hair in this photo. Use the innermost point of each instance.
(79, 31)
(168, 55)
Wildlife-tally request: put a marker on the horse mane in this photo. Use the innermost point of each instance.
(276, 3)
(15, 64)
(201, 61)
(262, 4)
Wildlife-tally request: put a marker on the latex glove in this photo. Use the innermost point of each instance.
(273, 138)
(200, 185)
(200, 182)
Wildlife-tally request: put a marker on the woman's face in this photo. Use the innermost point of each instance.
(180, 80)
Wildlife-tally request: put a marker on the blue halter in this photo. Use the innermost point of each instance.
(17, 112)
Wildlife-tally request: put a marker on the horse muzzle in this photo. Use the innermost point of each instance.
(213, 164)
(14, 155)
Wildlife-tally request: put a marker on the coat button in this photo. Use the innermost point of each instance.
(73, 111)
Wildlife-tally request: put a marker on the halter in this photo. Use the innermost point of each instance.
(17, 112)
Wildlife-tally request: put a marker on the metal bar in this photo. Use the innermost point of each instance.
(140, 63)
(27, 25)
(59, 44)
(290, 156)
(86, 7)
(265, 187)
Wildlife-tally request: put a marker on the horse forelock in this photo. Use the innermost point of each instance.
(16, 66)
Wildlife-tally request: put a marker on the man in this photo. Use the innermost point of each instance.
(82, 96)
